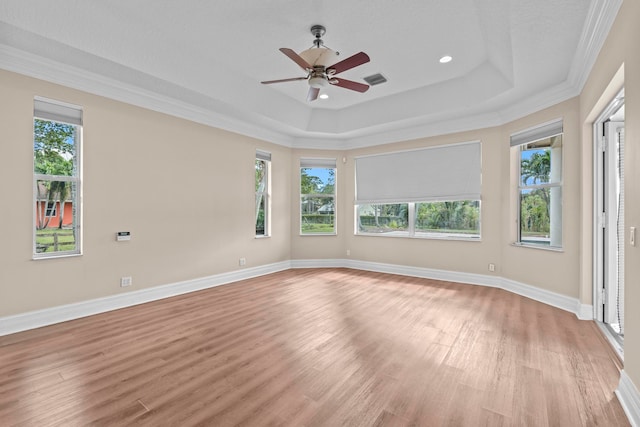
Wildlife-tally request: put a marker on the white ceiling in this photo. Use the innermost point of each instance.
(204, 60)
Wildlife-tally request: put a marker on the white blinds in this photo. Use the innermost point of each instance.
(59, 112)
(263, 155)
(317, 163)
(448, 172)
(537, 133)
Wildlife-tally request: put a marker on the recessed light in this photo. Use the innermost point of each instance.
(445, 59)
(323, 96)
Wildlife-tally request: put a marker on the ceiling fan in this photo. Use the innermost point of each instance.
(315, 62)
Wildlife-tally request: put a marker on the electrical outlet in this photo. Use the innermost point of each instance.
(348, 252)
(492, 267)
(125, 281)
(242, 262)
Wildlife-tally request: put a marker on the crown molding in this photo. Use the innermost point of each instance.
(28, 64)
(600, 19)
(216, 113)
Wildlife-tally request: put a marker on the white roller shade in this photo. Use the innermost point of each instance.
(57, 111)
(537, 133)
(263, 155)
(448, 172)
(317, 163)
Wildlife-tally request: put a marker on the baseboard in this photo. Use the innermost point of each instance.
(39, 318)
(629, 398)
(584, 311)
(63, 313)
(426, 273)
(319, 263)
(573, 305)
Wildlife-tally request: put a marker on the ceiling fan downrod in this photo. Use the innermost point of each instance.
(318, 31)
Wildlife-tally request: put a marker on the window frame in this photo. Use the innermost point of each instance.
(264, 195)
(318, 163)
(519, 141)
(69, 114)
(412, 232)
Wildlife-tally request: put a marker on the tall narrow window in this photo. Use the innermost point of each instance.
(57, 132)
(317, 196)
(263, 170)
(539, 157)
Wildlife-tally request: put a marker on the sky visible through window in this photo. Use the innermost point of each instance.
(322, 173)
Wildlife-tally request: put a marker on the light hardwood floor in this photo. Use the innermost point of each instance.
(318, 347)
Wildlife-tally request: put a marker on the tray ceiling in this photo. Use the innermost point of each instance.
(204, 60)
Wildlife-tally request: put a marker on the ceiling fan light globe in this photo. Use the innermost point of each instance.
(317, 56)
(318, 82)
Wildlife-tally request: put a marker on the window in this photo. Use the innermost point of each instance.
(51, 210)
(263, 171)
(428, 193)
(317, 196)
(539, 162)
(57, 130)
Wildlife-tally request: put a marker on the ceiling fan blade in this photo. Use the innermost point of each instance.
(349, 63)
(296, 58)
(293, 79)
(313, 93)
(349, 84)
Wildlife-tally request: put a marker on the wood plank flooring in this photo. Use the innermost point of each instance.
(317, 347)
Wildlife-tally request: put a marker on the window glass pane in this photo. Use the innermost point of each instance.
(452, 219)
(390, 219)
(260, 217)
(537, 161)
(317, 181)
(56, 216)
(54, 148)
(317, 214)
(536, 214)
(261, 175)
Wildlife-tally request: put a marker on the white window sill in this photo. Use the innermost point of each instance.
(53, 256)
(421, 237)
(540, 247)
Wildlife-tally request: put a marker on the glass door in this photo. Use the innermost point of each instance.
(609, 214)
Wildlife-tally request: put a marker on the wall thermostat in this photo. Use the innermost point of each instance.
(122, 236)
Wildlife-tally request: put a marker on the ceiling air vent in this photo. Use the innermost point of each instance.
(375, 79)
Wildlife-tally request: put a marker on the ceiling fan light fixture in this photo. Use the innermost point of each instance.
(319, 56)
(318, 82)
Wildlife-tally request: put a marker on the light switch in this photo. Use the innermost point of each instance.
(632, 236)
